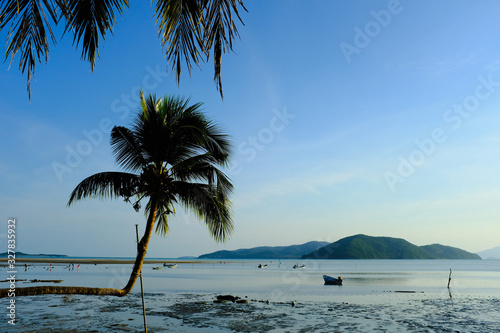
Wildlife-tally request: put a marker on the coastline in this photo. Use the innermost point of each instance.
(70, 260)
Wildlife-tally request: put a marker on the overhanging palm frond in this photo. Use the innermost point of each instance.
(28, 31)
(219, 31)
(90, 20)
(189, 28)
(106, 185)
(181, 32)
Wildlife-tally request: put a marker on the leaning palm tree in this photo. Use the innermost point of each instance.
(172, 156)
(190, 30)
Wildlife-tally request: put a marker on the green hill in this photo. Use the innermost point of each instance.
(367, 247)
(448, 252)
(267, 252)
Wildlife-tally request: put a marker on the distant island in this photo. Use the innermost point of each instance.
(267, 252)
(491, 254)
(353, 247)
(368, 247)
(22, 254)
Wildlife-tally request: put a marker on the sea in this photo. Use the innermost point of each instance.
(376, 296)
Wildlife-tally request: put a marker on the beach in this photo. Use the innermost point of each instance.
(197, 313)
(377, 296)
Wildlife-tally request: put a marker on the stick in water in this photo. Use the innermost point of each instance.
(449, 279)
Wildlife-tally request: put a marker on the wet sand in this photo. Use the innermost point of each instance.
(197, 313)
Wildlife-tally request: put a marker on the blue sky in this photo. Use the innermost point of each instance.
(374, 117)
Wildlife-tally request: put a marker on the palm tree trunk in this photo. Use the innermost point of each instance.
(41, 290)
(63, 290)
(142, 248)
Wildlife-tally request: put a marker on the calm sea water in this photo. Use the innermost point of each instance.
(377, 295)
(360, 276)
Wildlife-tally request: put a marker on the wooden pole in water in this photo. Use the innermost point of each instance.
(142, 288)
(449, 279)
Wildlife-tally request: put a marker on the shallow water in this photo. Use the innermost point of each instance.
(377, 296)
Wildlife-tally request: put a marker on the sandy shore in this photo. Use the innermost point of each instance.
(196, 313)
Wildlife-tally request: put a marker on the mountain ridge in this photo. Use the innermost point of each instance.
(352, 247)
(493, 253)
(368, 247)
(22, 254)
(267, 252)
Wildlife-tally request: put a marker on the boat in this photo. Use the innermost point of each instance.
(262, 266)
(297, 266)
(156, 268)
(169, 265)
(332, 281)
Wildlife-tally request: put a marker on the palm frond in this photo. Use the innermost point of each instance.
(219, 32)
(169, 129)
(180, 31)
(126, 148)
(189, 28)
(164, 210)
(28, 32)
(106, 185)
(90, 20)
(202, 168)
(208, 204)
(218, 144)
(151, 131)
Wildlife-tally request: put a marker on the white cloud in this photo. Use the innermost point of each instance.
(299, 184)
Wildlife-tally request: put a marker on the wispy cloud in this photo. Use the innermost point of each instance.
(434, 67)
(299, 184)
(493, 66)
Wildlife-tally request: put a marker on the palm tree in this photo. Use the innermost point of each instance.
(190, 30)
(173, 155)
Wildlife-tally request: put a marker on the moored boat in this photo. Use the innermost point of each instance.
(169, 265)
(332, 281)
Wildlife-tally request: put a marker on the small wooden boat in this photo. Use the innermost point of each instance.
(332, 281)
(170, 265)
(297, 266)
